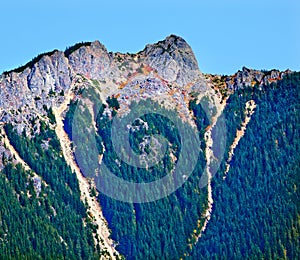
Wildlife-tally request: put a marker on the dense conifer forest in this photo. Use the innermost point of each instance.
(46, 224)
(256, 209)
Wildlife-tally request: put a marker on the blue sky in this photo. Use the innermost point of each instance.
(224, 34)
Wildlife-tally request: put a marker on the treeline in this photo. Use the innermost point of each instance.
(31, 63)
(36, 59)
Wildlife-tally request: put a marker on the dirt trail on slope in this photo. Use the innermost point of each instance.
(250, 106)
(94, 207)
(209, 158)
(15, 155)
(13, 151)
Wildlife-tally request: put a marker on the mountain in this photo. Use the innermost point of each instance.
(143, 156)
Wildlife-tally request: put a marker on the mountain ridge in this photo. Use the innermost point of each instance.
(37, 100)
(55, 71)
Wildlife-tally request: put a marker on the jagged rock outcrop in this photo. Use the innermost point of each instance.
(249, 77)
(173, 59)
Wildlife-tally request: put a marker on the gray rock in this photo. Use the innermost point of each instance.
(25, 94)
(173, 59)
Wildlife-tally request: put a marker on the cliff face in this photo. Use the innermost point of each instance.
(43, 83)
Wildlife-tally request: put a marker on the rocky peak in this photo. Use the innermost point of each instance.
(173, 59)
(171, 44)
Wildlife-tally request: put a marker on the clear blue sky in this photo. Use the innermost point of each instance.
(224, 34)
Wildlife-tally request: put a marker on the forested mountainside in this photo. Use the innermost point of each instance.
(210, 170)
(256, 208)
